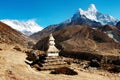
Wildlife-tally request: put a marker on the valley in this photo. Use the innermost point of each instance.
(87, 44)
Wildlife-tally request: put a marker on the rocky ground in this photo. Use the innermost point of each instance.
(13, 67)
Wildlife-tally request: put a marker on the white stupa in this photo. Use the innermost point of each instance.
(52, 50)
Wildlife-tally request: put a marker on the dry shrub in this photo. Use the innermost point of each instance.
(17, 48)
(64, 70)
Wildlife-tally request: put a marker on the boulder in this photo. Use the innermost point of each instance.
(64, 70)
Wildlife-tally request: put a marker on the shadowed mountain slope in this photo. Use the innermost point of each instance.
(80, 38)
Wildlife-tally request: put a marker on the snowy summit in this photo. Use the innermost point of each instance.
(92, 8)
(26, 27)
(93, 14)
(90, 13)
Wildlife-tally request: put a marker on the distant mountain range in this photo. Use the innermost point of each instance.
(90, 18)
(26, 27)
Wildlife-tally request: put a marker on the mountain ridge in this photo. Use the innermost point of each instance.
(26, 27)
(93, 14)
(11, 36)
(81, 17)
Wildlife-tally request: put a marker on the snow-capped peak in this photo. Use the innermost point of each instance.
(92, 8)
(26, 27)
(93, 14)
(90, 13)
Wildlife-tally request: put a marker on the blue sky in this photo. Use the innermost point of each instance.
(47, 12)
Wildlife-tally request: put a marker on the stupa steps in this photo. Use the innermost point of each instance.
(53, 57)
(50, 62)
(55, 63)
(53, 60)
(52, 67)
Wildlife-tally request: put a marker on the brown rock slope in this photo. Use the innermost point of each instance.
(80, 38)
(9, 35)
(84, 42)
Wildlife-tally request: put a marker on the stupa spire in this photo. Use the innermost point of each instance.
(52, 50)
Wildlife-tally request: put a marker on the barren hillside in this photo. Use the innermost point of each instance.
(80, 38)
(11, 36)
